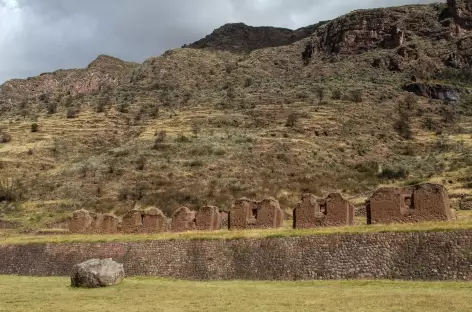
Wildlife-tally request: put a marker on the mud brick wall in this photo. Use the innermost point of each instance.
(407, 256)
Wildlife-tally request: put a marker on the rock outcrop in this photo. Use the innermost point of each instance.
(239, 37)
(436, 91)
(97, 273)
(104, 72)
(461, 10)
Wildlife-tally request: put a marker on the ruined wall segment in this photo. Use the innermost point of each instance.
(183, 220)
(84, 222)
(154, 221)
(109, 224)
(208, 218)
(250, 214)
(269, 214)
(315, 212)
(80, 222)
(241, 214)
(132, 221)
(339, 212)
(424, 202)
(306, 212)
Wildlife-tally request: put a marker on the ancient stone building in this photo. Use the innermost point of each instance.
(183, 220)
(224, 219)
(424, 202)
(154, 221)
(313, 212)
(109, 224)
(246, 214)
(84, 222)
(97, 220)
(132, 221)
(208, 219)
(80, 222)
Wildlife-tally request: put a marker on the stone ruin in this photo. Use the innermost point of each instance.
(208, 219)
(144, 221)
(316, 212)
(83, 222)
(250, 214)
(183, 220)
(424, 202)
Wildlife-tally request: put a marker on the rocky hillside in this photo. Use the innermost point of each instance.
(240, 37)
(247, 111)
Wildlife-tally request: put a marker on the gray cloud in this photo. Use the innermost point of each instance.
(39, 36)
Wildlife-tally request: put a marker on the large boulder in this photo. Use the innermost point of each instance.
(96, 273)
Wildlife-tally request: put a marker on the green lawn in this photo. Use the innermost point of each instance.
(151, 294)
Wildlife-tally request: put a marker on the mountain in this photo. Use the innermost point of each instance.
(247, 111)
(240, 37)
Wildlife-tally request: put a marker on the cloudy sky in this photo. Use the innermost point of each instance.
(43, 35)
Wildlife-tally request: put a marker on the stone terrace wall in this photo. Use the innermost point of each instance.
(409, 256)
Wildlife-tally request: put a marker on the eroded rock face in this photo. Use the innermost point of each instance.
(239, 37)
(461, 10)
(97, 273)
(104, 72)
(437, 91)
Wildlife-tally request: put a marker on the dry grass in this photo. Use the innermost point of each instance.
(12, 238)
(152, 294)
(243, 146)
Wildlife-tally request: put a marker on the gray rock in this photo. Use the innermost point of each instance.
(96, 273)
(434, 91)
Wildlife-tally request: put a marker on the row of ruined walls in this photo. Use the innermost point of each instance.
(424, 202)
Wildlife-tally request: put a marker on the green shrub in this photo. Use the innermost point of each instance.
(336, 94)
(11, 190)
(357, 95)
(5, 137)
(34, 127)
(292, 118)
(72, 112)
(51, 108)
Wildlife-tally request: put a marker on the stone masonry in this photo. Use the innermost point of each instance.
(314, 212)
(183, 220)
(80, 222)
(208, 219)
(403, 255)
(83, 222)
(154, 221)
(424, 202)
(250, 214)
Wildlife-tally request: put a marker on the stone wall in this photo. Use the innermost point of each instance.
(314, 212)
(251, 214)
(408, 256)
(419, 203)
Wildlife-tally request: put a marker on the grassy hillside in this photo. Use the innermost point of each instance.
(199, 126)
(149, 294)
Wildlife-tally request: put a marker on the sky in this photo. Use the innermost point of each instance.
(44, 35)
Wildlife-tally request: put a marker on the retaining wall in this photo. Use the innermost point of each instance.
(408, 256)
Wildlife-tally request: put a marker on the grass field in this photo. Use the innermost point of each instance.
(136, 294)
